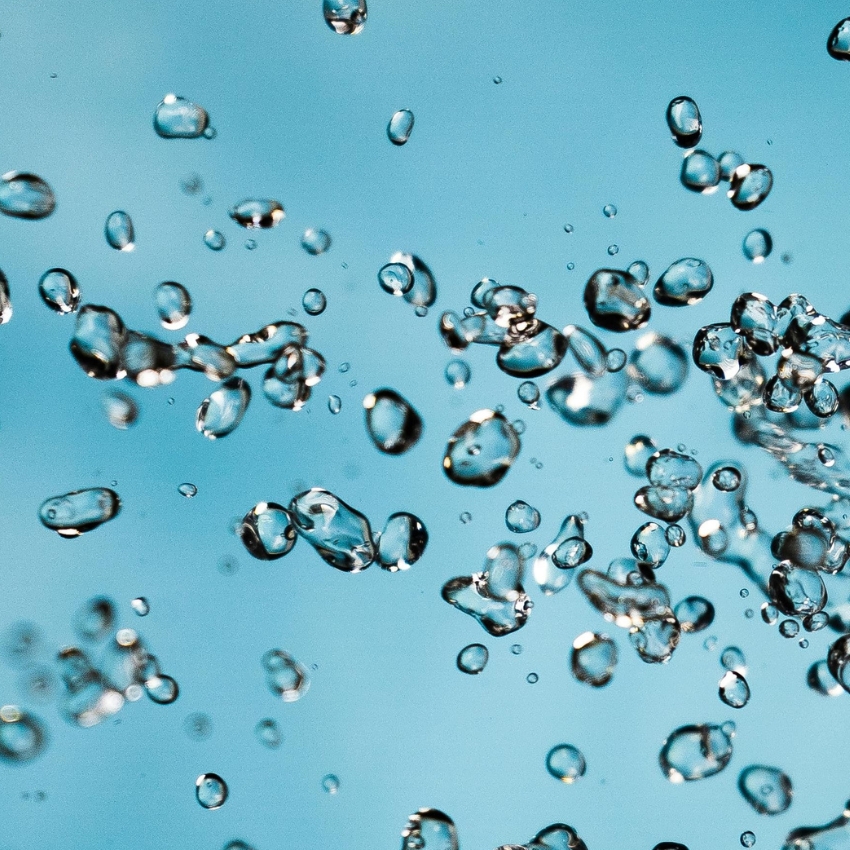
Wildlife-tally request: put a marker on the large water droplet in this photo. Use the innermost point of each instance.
(667, 468)
(482, 450)
(346, 17)
(267, 531)
(615, 301)
(593, 659)
(700, 172)
(258, 213)
(472, 659)
(25, 196)
(400, 127)
(211, 790)
(402, 542)
(649, 545)
(796, 591)
(767, 789)
(285, 677)
(838, 43)
(392, 423)
(566, 763)
(757, 245)
(697, 751)
(221, 412)
(75, 513)
(178, 118)
(750, 185)
(429, 829)
(174, 304)
(22, 735)
(684, 121)
(58, 289)
(534, 353)
(119, 231)
(687, 281)
(734, 690)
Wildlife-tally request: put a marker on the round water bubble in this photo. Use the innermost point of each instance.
(121, 409)
(174, 304)
(757, 245)
(402, 542)
(268, 733)
(119, 231)
(267, 531)
(528, 393)
(700, 172)
(400, 127)
(458, 373)
(314, 302)
(396, 278)
(481, 450)
(472, 659)
(593, 659)
(254, 213)
(613, 250)
(727, 479)
(748, 839)
(25, 195)
(330, 784)
(609, 210)
(566, 763)
(694, 613)
(211, 790)
(684, 121)
(789, 628)
(639, 270)
(178, 118)
(767, 789)
(214, 240)
(521, 518)
(315, 242)
(391, 421)
(59, 290)
(838, 43)
(734, 690)
(345, 17)
(22, 735)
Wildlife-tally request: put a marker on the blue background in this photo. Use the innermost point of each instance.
(484, 187)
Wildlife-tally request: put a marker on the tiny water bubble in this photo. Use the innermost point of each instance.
(458, 373)
(609, 210)
(198, 726)
(532, 678)
(473, 659)
(748, 839)
(400, 127)
(789, 628)
(268, 733)
(334, 404)
(211, 790)
(613, 249)
(516, 649)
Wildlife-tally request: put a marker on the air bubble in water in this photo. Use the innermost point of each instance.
(615, 359)
(258, 213)
(757, 245)
(314, 302)
(566, 763)
(685, 282)
(615, 301)
(402, 542)
(22, 735)
(58, 289)
(267, 531)
(179, 118)
(73, 514)
(472, 659)
(396, 278)
(121, 409)
(482, 450)
(767, 789)
(285, 677)
(400, 127)
(700, 172)
(174, 304)
(658, 364)
(609, 210)
(268, 733)
(214, 240)
(838, 43)
(315, 242)
(345, 17)
(750, 185)
(458, 373)
(211, 790)
(161, 689)
(684, 121)
(141, 606)
(734, 690)
(221, 412)
(694, 614)
(340, 534)
(119, 231)
(613, 250)
(593, 659)
(697, 751)
(391, 421)
(25, 196)
(521, 518)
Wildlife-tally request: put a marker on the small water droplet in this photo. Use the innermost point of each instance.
(613, 249)
(58, 289)
(119, 231)
(178, 118)
(748, 839)
(25, 195)
(532, 678)
(174, 305)
(198, 726)
(334, 404)
(314, 302)
(566, 763)
(268, 733)
(472, 659)
(211, 790)
(757, 245)
(141, 606)
(684, 121)
(188, 490)
(315, 242)
(521, 518)
(214, 240)
(330, 784)
(458, 373)
(400, 127)
(609, 210)
(466, 517)
(345, 17)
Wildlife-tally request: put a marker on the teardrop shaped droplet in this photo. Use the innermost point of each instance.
(402, 542)
(178, 118)
(211, 790)
(697, 751)
(685, 282)
(345, 17)
(119, 231)
(253, 214)
(400, 127)
(75, 513)
(285, 677)
(482, 450)
(58, 289)
(684, 121)
(174, 304)
(392, 423)
(221, 412)
(593, 659)
(267, 531)
(25, 195)
(767, 789)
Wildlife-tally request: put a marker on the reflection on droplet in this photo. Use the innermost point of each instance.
(395, 278)
(400, 127)
(214, 240)
(22, 735)
(174, 304)
(838, 43)
(748, 839)
(749, 186)
(188, 490)
(684, 121)
(429, 829)
(346, 17)
(566, 763)
(609, 210)
(211, 790)
(402, 542)
(73, 514)
(268, 733)
(700, 172)
(423, 292)
(767, 789)
(258, 213)
(221, 412)
(121, 409)
(458, 373)
(285, 677)
(161, 689)
(687, 281)
(593, 659)
(757, 245)
(179, 118)
(58, 289)
(482, 450)
(615, 301)
(267, 531)
(315, 242)
(314, 302)
(694, 614)
(789, 628)
(734, 690)
(521, 518)
(141, 606)
(697, 751)
(119, 231)
(472, 659)
(25, 196)
(392, 423)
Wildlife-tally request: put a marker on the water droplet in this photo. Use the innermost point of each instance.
(188, 490)
(423, 293)
(174, 304)
(314, 302)
(396, 278)
(214, 240)
(694, 614)
(675, 535)
(211, 790)
(285, 677)
(684, 121)
(593, 659)
(268, 733)
(696, 751)
(22, 735)
(258, 213)
(649, 545)
(315, 242)
(700, 172)
(789, 628)
(748, 839)
(718, 350)
(687, 281)
(88, 698)
(25, 196)
(816, 622)
(581, 400)
(119, 231)
(749, 186)
(658, 364)
(609, 210)
(795, 590)
(568, 228)
(532, 678)
(732, 658)
(221, 412)
(466, 517)
(330, 784)
(392, 423)
(346, 17)
(838, 43)
(429, 829)
(267, 531)
(458, 373)
(198, 726)
(472, 659)
(521, 518)
(667, 468)
(767, 789)
(636, 454)
(769, 613)
(340, 534)
(120, 409)
(613, 249)
(162, 689)
(615, 301)
(334, 404)
(58, 289)
(482, 450)
(566, 763)
(400, 127)
(570, 266)
(178, 118)
(734, 690)
(757, 245)
(528, 393)
(73, 514)
(141, 606)
(726, 479)
(821, 680)
(402, 542)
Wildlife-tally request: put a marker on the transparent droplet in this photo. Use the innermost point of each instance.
(687, 281)
(719, 351)
(466, 517)
(22, 735)
(658, 364)
(429, 829)
(795, 590)
(748, 839)
(697, 751)
(649, 545)
(330, 784)
(25, 196)
(211, 790)
(694, 614)
(528, 393)
(423, 293)
(684, 121)
(531, 354)
(267, 531)
(734, 690)
(120, 409)
(568, 228)
(214, 240)
(188, 490)
(178, 118)
(58, 289)
(667, 468)
(119, 231)
(258, 213)
(174, 304)
(268, 733)
(141, 606)
(315, 242)
(726, 479)
(675, 535)
(566, 763)
(334, 404)
(816, 622)
(636, 454)
(482, 450)
(392, 423)
(521, 518)
(162, 689)
(789, 628)
(221, 412)
(609, 210)
(767, 789)
(757, 245)
(346, 17)
(314, 302)
(472, 659)
(749, 186)
(613, 250)
(396, 278)
(821, 680)
(285, 677)
(73, 514)
(458, 373)
(402, 542)
(593, 659)
(615, 301)
(400, 127)
(700, 172)
(269, 344)
(585, 401)
(192, 184)
(729, 161)
(838, 43)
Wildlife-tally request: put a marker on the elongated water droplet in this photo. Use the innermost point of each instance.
(258, 213)
(75, 513)
(757, 245)
(221, 412)
(565, 762)
(700, 172)
(697, 751)
(211, 790)
(615, 301)
(267, 531)
(684, 121)
(429, 829)
(838, 43)
(767, 789)
(472, 659)
(178, 118)
(749, 186)
(734, 690)
(687, 281)
(346, 17)
(400, 127)
(58, 289)
(174, 304)
(119, 231)
(25, 195)
(188, 490)
(482, 450)
(520, 517)
(22, 735)
(285, 677)
(340, 534)
(392, 423)
(593, 659)
(315, 242)
(402, 542)
(269, 343)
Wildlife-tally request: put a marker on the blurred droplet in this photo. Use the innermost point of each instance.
(330, 784)
(214, 240)
(258, 213)
(121, 409)
(268, 733)
(58, 289)
(458, 373)
(141, 606)
(22, 735)
(400, 127)
(315, 242)
(285, 677)
(658, 364)
(593, 659)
